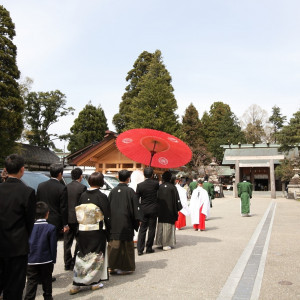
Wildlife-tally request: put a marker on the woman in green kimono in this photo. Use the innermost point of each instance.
(245, 193)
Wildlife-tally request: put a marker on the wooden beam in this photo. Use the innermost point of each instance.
(254, 157)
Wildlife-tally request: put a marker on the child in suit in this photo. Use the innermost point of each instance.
(42, 255)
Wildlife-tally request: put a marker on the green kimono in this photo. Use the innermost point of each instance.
(209, 187)
(245, 193)
(193, 186)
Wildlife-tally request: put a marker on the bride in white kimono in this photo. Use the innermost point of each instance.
(199, 207)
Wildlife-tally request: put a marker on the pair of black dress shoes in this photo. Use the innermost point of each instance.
(148, 251)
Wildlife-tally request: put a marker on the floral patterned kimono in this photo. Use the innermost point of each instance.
(93, 217)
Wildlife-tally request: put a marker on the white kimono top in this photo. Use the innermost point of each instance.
(183, 199)
(199, 198)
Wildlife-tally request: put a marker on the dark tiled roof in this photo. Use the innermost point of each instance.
(38, 155)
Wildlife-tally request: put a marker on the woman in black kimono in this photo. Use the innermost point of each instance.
(93, 217)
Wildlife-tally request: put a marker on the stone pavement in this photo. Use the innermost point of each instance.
(235, 258)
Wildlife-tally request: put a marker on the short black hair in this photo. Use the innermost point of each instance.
(195, 176)
(124, 175)
(96, 179)
(173, 179)
(166, 176)
(41, 210)
(244, 178)
(206, 178)
(14, 163)
(200, 181)
(76, 173)
(148, 172)
(55, 169)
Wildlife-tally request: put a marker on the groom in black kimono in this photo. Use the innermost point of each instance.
(125, 217)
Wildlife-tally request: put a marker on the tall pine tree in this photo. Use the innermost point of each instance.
(11, 104)
(220, 127)
(88, 127)
(192, 135)
(140, 68)
(289, 136)
(277, 119)
(155, 105)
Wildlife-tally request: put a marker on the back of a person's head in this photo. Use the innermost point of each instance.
(55, 169)
(148, 172)
(166, 176)
(173, 179)
(96, 179)
(206, 178)
(14, 163)
(244, 178)
(200, 181)
(41, 210)
(76, 173)
(124, 175)
(195, 177)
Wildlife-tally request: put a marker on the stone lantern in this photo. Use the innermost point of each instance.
(294, 185)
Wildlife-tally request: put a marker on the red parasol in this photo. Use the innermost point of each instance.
(154, 148)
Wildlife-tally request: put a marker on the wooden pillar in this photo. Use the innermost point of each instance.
(272, 179)
(97, 167)
(237, 178)
(104, 168)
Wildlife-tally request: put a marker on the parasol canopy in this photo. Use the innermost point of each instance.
(154, 148)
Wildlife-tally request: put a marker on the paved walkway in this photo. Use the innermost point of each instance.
(235, 258)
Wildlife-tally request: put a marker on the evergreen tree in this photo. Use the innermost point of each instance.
(192, 135)
(11, 104)
(220, 127)
(277, 119)
(289, 136)
(140, 68)
(191, 126)
(155, 105)
(88, 127)
(42, 110)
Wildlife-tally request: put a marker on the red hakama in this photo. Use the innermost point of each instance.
(201, 224)
(180, 221)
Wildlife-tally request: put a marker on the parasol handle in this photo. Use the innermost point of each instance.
(152, 153)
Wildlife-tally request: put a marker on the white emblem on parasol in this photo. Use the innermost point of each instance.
(127, 141)
(163, 161)
(171, 139)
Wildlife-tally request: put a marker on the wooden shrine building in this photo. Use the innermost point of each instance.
(105, 157)
(257, 162)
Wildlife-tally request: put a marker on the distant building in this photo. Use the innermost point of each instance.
(104, 156)
(257, 162)
(37, 158)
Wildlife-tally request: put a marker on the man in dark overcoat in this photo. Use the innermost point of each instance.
(75, 189)
(17, 214)
(124, 218)
(55, 194)
(147, 193)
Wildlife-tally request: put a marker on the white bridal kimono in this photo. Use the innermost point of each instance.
(199, 198)
(183, 199)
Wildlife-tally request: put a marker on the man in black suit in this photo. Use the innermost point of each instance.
(55, 194)
(147, 192)
(17, 214)
(75, 189)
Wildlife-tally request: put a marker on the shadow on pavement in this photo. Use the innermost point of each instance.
(142, 268)
(186, 240)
